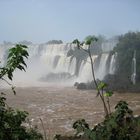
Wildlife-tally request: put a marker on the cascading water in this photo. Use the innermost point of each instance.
(52, 60)
(85, 74)
(133, 76)
(72, 66)
(112, 64)
(55, 57)
(101, 71)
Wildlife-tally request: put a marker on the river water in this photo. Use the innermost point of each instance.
(59, 107)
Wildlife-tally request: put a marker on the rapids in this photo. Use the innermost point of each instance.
(60, 106)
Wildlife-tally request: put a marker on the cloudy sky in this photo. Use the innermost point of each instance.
(43, 20)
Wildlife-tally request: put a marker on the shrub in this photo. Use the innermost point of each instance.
(11, 120)
(121, 125)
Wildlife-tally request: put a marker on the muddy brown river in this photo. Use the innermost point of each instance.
(59, 107)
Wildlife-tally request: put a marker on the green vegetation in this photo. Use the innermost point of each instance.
(121, 125)
(121, 80)
(101, 86)
(128, 43)
(12, 122)
(15, 60)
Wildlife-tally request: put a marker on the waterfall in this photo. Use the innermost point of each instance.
(101, 71)
(100, 67)
(55, 58)
(52, 60)
(85, 74)
(133, 76)
(112, 64)
(72, 66)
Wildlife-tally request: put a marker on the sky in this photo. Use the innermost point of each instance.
(43, 20)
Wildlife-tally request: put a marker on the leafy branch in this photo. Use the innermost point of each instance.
(15, 60)
(11, 120)
(99, 87)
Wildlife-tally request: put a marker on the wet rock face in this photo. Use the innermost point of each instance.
(82, 86)
(85, 86)
(121, 83)
(76, 84)
(117, 83)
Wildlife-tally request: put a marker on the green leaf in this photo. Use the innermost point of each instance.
(108, 94)
(90, 39)
(87, 133)
(76, 41)
(92, 135)
(21, 67)
(16, 60)
(102, 85)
